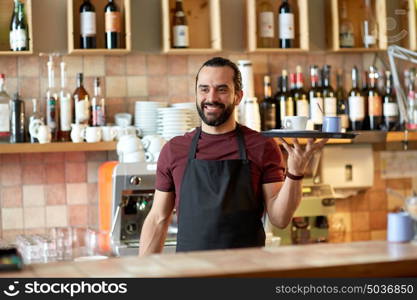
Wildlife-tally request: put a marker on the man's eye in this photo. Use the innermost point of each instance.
(222, 90)
(204, 90)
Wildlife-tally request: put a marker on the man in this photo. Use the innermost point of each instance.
(222, 176)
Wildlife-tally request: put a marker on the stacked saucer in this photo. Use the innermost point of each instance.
(146, 113)
(173, 121)
(195, 118)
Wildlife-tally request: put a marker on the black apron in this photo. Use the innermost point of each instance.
(218, 208)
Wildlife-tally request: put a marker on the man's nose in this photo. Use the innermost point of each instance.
(212, 95)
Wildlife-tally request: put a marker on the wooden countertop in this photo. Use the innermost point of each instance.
(357, 259)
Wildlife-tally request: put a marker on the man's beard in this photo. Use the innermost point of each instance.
(215, 121)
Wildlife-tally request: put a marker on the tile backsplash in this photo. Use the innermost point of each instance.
(43, 190)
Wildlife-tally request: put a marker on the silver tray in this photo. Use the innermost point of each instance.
(309, 134)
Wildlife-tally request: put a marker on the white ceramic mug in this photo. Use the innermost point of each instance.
(108, 133)
(123, 119)
(153, 143)
(129, 144)
(295, 122)
(91, 134)
(76, 130)
(42, 133)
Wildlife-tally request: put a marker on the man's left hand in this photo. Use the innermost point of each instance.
(299, 157)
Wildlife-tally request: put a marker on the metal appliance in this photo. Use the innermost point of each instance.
(133, 187)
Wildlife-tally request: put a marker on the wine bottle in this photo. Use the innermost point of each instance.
(330, 101)
(356, 103)
(113, 25)
(82, 110)
(369, 26)
(315, 96)
(87, 25)
(98, 105)
(374, 101)
(365, 89)
(346, 34)
(65, 107)
(286, 25)
(17, 120)
(18, 28)
(52, 109)
(266, 32)
(268, 107)
(35, 117)
(180, 27)
(410, 76)
(4, 112)
(390, 107)
(342, 105)
(300, 96)
(281, 97)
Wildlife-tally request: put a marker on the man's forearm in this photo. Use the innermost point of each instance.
(153, 235)
(286, 203)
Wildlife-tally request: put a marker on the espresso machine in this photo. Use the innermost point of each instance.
(133, 188)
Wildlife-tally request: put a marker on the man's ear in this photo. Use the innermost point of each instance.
(239, 96)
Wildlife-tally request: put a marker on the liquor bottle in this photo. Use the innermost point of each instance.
(300, 96)
(52, 109)
(369, 26)
(315, 96)
(266, 32)
(342, 102)
(268, 108)
(346, 35)
(374, 101)
(98, 105)
(281, 99)
(35, 117)
(390, 107)
(286, 25)
(87, 25)
(65, 107)
(82, 112)
(180, 27)
(17, 120)
(113, 25)
(365, 89)
(18, 28)
(356, 103)
(4, 112)
(330, 101)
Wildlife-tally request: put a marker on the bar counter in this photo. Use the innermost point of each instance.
(357, 259)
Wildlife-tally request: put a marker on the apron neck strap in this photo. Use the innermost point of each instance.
(240, 140)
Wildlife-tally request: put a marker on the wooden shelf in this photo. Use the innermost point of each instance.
(6, 10)
(204, 25)
(355, 14)
(57, 147)
(73, 18)
(400, 136)
(300, 8)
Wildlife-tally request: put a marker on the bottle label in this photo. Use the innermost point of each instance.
(88, 23)
(356, 108)
(98, 116)
(65, 110)
(316, 114)
(302, 108)
(286, 26)
(18, 39)
(344, 120)
(374, 106)
(113, 21)
(390, 109)
(181, 36)
(81, 111)
(4, 120)
(330, 106)
(347, 39)
(289, 108)
(51, 113)
(266, 24)
(282, 111)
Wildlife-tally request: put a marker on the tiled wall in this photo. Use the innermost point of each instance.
(38, 191)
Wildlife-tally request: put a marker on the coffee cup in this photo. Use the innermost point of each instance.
(129, 144)
(76, 133)
(42, 133)
(123, 119)
(153, 143)
(331, 124)
(400, 227)
(91, 134)
(295, 122)
(108, 133)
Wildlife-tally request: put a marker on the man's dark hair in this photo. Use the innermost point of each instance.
(224, 62)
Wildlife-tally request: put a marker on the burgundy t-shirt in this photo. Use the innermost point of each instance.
(266, 158)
